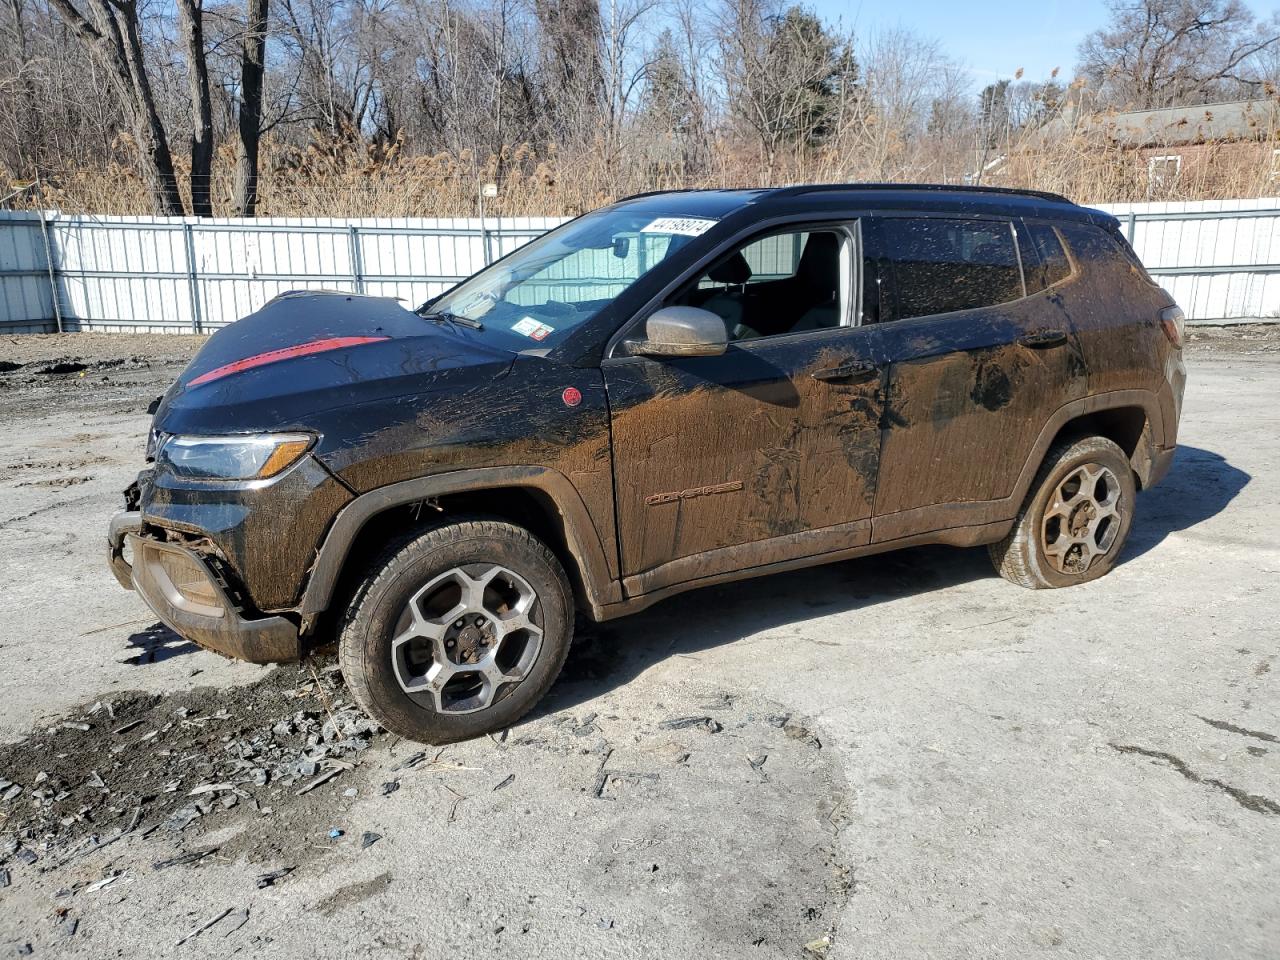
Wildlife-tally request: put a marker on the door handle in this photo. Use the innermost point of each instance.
(1044, 338)
(855, 371)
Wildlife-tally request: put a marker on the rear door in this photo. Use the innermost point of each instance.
(980, 357)
(766, 453)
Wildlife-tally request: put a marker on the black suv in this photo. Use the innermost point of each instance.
(673, 391)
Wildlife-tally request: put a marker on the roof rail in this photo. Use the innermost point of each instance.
(658, 193)
(935, 187)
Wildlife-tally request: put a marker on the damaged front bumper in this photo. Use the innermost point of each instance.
(182, 591)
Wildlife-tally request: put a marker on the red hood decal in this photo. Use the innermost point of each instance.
(285, 353)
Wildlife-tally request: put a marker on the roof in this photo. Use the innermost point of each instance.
(1177, 126)
(921, 197)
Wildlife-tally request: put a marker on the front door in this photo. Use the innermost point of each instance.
(766, 453)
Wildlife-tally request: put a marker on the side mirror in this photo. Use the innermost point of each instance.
(682, 332)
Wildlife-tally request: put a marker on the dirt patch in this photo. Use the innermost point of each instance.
(90, 349)
(1252, 339)
(93, 373)
(288, 800)
(353, 893)
(177, 766)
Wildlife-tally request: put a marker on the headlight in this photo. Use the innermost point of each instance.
(253, 457)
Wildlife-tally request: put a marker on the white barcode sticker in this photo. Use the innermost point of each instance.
(684, 226)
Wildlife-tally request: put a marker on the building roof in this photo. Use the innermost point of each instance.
(1177, 126)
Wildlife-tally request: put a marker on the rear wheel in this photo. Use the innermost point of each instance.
(458, 631)
(1075, 520)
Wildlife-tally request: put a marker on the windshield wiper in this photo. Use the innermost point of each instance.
(444, 316)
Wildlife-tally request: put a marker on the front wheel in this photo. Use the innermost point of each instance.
(457, 632)
(1075, 520)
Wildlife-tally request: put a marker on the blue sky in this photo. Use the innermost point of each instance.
(993, 38)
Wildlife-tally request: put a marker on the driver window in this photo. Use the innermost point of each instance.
(782, 283)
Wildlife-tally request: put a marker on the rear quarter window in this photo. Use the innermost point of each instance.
(1095, 247)
(943, 265)
(1043, 256)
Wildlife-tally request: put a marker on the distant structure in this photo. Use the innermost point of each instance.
(1182, 142)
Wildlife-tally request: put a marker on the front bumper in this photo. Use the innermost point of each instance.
(181, 590)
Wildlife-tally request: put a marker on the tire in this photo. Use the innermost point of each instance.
(427, 678)
(1059, 539)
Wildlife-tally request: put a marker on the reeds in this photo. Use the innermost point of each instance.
(353, 178)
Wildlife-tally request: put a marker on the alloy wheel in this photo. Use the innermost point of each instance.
(467, 637)
(1083, 518)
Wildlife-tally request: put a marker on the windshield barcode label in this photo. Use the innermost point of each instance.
(684, 226)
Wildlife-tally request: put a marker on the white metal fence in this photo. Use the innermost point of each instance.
(182, 274)
(1220, 260)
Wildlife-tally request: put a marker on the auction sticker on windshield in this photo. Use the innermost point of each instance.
(684, 226)
(533, 329)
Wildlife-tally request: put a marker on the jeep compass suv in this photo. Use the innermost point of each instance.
(673, 391)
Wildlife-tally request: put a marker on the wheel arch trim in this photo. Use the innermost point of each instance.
(580, 534)
(1062, 418)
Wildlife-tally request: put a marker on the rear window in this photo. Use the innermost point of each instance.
(1044, 258)
(942, 265)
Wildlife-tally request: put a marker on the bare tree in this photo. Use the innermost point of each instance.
(621, 74)
(571, 69)
(788, 77)
(1159, 53)
(191, 17)
(116, 41)
(253, 63)
(911, 88)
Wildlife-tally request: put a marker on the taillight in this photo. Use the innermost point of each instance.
(1173, 320)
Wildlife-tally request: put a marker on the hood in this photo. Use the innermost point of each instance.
(309, 351)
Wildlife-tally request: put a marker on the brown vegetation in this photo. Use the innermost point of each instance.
(332, 108)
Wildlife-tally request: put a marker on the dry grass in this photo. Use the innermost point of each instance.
(353, 178)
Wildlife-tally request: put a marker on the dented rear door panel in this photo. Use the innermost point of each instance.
(969, 393)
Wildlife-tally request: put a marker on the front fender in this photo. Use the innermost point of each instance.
(579, 531)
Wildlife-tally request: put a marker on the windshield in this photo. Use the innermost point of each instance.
(537, 295)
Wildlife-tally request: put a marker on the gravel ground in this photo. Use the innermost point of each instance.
(901, 756)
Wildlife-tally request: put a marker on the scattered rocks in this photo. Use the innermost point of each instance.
(798, 731)
(169, 763)
(684, 723)
(181, 819)
(204, 926)
(818, 947)
(182, 859)
(60, 366)
(269, 879)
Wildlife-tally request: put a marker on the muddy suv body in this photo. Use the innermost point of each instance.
(677, 390)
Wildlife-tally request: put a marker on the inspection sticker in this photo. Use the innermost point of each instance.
(533, 329)
(684, 226)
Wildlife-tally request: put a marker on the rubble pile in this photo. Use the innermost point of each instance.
(164, 764)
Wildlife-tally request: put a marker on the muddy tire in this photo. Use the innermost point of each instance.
(457, 631)
(1075, 519)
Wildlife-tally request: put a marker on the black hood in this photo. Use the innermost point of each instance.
(306, 352)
